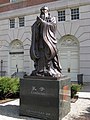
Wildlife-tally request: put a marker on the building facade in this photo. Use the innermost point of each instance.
(73, 35)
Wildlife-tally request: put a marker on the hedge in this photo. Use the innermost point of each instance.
(9, 87)
(74, 89)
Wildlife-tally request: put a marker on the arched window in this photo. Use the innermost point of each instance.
(16, 56)
(68, 50)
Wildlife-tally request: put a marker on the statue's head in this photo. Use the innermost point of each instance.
(44, 10)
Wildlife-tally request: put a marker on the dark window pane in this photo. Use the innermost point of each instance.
(21, 21)
(74, 14)
(12, 23)
(61, 15)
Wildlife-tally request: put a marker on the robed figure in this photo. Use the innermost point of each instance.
(43, 49)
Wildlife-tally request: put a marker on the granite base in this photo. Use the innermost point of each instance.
(45, 97)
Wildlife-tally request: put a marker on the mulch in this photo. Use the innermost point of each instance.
(74, 99)
(6, 100)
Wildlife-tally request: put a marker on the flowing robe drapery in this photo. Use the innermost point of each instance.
(43, 49)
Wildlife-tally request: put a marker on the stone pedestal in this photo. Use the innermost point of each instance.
(45, 98)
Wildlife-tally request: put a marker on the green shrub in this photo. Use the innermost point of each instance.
(74, 89)
(8, 87)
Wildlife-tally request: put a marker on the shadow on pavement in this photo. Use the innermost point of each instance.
(85, 115)
(84, 98)
(12, 111)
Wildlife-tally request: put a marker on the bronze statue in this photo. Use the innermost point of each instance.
(43, 49)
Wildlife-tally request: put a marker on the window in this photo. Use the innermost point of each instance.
(12, 23)
(13, 0)
(75, 14)
(61, 15)
(21, 21)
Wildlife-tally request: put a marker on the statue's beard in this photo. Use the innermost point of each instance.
(44, 15)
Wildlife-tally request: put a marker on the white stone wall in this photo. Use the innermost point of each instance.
(84, 38)
(77, 28)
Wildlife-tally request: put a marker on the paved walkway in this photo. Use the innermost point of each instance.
(80, 110)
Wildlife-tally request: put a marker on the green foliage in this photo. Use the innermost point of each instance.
(8, 87)
(74, 89)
